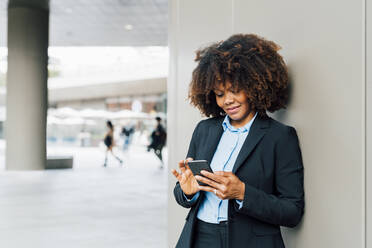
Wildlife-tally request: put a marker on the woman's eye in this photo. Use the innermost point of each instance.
(219, 94)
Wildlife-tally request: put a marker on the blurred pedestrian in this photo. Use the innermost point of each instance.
(109, 142)
(158, 139)
(126, 133)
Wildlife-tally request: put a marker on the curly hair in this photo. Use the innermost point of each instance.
(249, 63)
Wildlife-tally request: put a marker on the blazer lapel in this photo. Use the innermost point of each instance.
(256, 133)
(214, 136)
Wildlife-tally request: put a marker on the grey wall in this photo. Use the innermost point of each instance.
(324, 47)
(368, 124)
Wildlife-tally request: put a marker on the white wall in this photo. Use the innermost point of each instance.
(324, 47)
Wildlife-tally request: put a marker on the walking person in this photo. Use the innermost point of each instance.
(127, 133)
(257, 180)
(158, 140)
(109, 142)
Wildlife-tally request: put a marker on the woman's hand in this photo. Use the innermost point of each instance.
(226, 185)
(187, 181)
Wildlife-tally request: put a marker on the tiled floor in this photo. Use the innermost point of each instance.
(88, 206)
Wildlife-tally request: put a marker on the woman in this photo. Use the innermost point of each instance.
(257, 180)
(109, 142)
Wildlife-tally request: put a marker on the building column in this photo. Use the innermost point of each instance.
(27, 100)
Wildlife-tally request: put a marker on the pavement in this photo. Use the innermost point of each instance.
(87, 206)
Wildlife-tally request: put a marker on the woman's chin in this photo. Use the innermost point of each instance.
(235, 117)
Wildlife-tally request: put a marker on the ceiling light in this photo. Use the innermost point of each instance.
(128, 27)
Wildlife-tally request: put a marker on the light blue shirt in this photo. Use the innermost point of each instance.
(213, 209)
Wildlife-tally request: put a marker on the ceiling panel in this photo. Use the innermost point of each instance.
(103, 22)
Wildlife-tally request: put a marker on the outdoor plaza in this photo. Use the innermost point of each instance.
(87, 206)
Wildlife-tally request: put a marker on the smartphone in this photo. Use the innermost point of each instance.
(198, 165)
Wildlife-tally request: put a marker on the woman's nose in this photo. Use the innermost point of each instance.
(229, 98)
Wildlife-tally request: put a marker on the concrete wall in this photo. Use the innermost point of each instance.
(324, 47)
(368, 125)
(27, 91)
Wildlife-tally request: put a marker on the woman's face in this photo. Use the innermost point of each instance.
(234, 103)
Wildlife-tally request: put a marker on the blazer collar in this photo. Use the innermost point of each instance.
(256, 133)
(214, 136)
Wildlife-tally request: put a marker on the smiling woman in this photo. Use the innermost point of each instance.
(245, 62)
(257, 180)
(234, 103)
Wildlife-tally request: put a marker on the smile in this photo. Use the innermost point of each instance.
(232, 110)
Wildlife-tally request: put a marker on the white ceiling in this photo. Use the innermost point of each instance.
(102, 22)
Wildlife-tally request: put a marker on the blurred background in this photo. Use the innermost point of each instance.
(88, 86)
(113, 66)
(66, 68)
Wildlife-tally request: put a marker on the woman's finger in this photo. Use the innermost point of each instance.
(214, 191)
(186, 163)
(176, 174)
(223, 173)
(188, 168)
(181, 165)
(209, 182)
(214, 177)
(206, 188)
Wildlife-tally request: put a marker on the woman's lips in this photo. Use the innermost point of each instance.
(232, 110)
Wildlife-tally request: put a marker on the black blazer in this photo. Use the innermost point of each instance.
(270, 165)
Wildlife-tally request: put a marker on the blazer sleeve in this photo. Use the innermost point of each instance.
(177, 191)
(286, 206)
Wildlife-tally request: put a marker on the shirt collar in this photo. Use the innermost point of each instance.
(226, 124)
